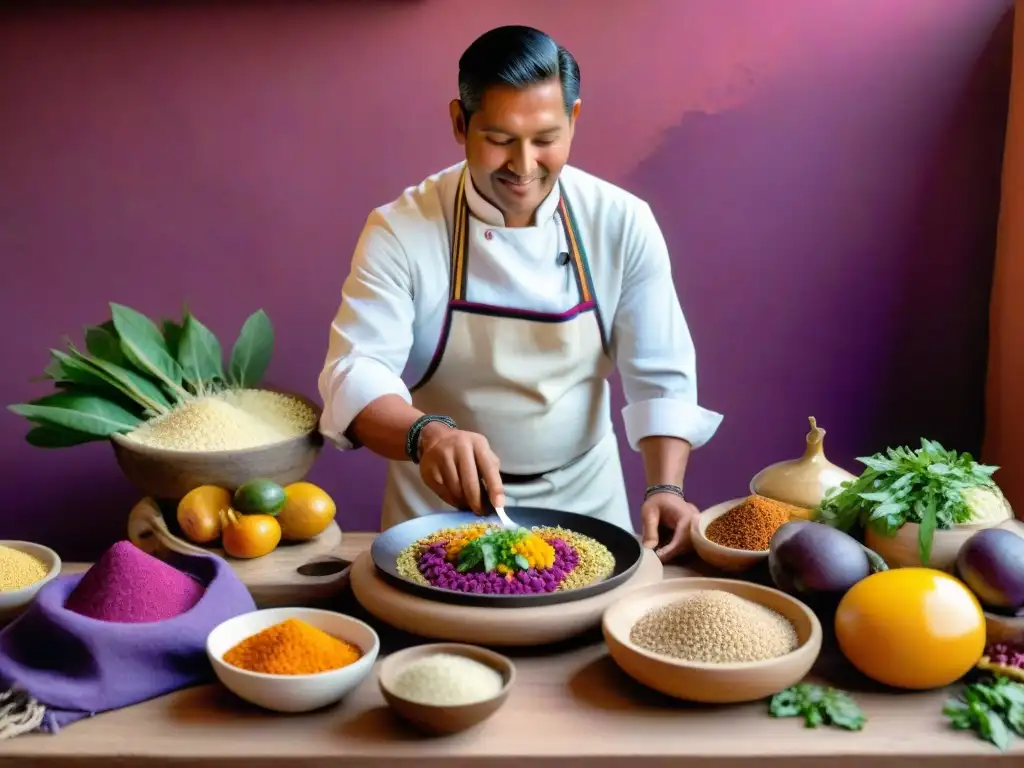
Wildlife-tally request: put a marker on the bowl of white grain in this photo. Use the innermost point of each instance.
(225, 439)
(716, 641)
(444, 688)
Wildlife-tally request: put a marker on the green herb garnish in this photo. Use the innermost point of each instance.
(903, 486)
(132, 370)
(818, 705)
(994, 709)
(494, 549)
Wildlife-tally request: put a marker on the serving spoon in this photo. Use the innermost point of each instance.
(506, 522)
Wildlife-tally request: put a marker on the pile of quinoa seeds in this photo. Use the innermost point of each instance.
(233, 420)
(715, 627)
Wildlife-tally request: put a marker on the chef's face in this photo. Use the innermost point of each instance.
(516, 145)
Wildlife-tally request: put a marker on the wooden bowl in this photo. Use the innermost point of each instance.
(1008, 630)
(724, 558)
(700, 681)
(900, 551)
(444, 719)
(167, 474)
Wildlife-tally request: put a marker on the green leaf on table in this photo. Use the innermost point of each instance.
(144, 346)
(199, 353)
(993, 709)
(54, 437)
(818, 705)
(251, 353)
(79, 411)
(102, 343)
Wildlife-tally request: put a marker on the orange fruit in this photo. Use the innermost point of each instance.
(306, 513)
(913, 628)
(249, 536)
(199, 513)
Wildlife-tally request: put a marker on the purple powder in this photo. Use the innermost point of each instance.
(440, 573)
(130, 587)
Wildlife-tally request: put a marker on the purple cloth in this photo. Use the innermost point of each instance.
(77, 667)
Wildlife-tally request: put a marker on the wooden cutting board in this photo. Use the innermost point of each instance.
(302, 573)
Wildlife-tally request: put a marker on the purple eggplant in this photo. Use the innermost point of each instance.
(991, 564)
(808, 558)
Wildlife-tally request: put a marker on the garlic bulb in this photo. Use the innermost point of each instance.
(802, 482)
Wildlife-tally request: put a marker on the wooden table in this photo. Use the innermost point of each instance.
(570, 708)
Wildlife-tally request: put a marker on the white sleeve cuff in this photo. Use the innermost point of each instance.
(666, 417)
(363, 383)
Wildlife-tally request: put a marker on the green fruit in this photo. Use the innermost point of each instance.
(259, 497)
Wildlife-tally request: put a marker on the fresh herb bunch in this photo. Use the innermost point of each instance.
(903, 486)
(992, 708)
(132, 370)
(818, 705)
(493, 550)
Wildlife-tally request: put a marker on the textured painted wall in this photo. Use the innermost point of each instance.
(826, 174)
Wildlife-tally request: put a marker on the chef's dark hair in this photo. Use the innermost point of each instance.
(515, 56)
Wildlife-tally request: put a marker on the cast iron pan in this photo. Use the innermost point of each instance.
(623, 545)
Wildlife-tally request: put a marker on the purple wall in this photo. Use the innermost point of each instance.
(826, 174)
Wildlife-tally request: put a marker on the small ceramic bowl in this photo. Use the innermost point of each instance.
(724, 558)
(292, 693)
(14, 602)
(705, 682)
(443, 719)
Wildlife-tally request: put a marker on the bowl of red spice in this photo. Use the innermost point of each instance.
(292, 659)
(735, 536)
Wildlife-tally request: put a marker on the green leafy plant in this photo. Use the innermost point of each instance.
(901, 486)
(133, 369)
(818, 705)
(993, 709)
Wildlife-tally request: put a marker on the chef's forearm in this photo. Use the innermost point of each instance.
(383, 425)
(665, 459)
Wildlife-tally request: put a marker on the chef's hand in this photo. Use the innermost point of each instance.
(673, 514)
(452, 461)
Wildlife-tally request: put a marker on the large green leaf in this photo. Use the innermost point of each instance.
(199, 353)
(104, 344)
(79, 411)
(67, 369)
(251, 353)
(57, 437)
(145, 347)
(132, 384)
(172, 336)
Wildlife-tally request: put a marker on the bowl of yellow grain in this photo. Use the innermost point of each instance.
(735, 536)
(224, 439)
(292, 659)
(716, 641)
(25, 568)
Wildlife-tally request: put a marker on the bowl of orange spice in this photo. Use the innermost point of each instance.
(292, 659)
(734, 536)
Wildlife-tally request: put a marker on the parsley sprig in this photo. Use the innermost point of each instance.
(903, 486)
(818, 705)
(994, 709)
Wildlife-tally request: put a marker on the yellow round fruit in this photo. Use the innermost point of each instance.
(249, 536)
(306, 513)
(199, 513)
(913, 628)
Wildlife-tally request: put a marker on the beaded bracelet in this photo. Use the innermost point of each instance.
(674, 489)
(412, 439)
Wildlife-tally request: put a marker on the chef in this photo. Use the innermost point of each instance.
(487, 306)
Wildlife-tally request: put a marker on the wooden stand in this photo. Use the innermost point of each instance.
(488, 626)
(306, 573)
